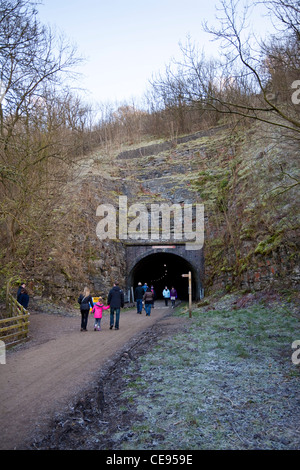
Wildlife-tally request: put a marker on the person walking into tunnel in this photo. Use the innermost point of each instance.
(173, 296)
(139, 293)
(145, 287)
(154, 295)
(148, 299)
(166, 295)
(116, 301)
(85, 301)
(97, 311)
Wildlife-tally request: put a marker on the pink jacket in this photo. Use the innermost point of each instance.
(97, 310)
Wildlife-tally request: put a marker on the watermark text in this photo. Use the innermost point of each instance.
(296, 354)
(181, 222)
(2, 353)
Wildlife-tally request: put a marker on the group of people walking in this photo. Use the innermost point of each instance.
(145, 296)
(115, 301)
(170, 295)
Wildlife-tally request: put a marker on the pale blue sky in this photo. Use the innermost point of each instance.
(127, 41)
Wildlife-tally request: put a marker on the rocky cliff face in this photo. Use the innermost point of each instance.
(247, 182)
(246, 179)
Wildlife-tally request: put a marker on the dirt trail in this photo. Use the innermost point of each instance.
(56, 364)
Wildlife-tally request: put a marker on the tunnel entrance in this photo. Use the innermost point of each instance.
(163, 265)
(164, 269)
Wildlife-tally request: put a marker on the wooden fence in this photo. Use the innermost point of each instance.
(14, 327)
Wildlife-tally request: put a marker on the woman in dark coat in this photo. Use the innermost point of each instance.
(173, 295)
(86, 301)
(148, 299)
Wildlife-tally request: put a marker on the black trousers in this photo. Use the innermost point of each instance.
(84, 319)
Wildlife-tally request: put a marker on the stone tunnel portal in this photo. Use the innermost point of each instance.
(165, 268)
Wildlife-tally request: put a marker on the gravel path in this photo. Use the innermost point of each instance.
(223, 380)
(55, 365)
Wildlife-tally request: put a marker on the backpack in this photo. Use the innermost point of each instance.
(84, 304)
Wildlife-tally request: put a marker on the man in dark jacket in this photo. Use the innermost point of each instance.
(23, 298)
(115, 300)
(139, 292)
(21, 286)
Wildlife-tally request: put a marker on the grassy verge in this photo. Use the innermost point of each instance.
(227, 381)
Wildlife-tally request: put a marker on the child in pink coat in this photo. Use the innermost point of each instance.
(97, 311)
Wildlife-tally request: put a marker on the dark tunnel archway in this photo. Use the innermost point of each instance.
(164, 269)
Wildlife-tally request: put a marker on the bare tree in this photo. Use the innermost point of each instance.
(287, 14)
(30, 57)
(251, 78)
(41, 123)
(249, 62)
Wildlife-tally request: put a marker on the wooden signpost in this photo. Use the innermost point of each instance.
(189, 275)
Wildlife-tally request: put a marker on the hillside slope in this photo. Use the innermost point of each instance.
(246, 178)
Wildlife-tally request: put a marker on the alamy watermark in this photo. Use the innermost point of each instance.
(296, 354)
(159, 222)
(2, 353)
(2, 91)
(296, 94)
